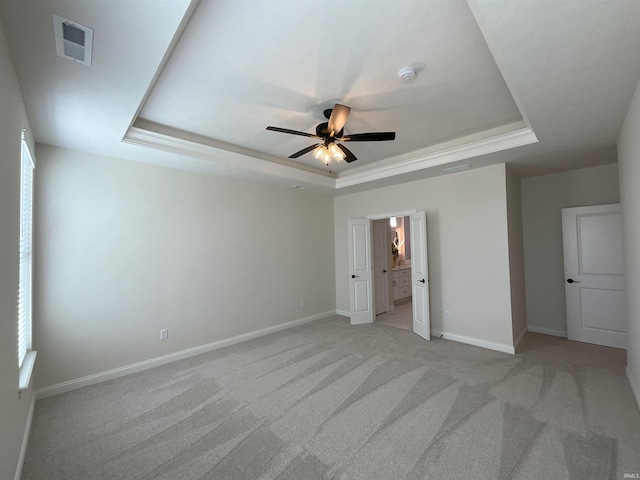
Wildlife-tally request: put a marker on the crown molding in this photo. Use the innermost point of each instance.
(428, 158)
(231, 159)
(225, 158)
(496, 143)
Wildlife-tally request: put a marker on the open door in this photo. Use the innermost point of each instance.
(360, 271)
(420, 275)
(381, 253)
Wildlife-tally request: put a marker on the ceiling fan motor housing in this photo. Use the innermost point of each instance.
(322, 130)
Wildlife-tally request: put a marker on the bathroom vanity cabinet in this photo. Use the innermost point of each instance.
(401, 282)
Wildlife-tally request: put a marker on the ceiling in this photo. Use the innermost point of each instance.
(542, 85)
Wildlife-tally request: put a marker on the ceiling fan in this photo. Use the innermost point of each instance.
(332, 132)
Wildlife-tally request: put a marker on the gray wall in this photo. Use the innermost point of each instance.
(542, 200)
(15, 408)
(124, 249)
(629, 161)
(516, 256)
(468, 248)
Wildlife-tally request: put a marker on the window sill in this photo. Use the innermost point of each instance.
(26, 370)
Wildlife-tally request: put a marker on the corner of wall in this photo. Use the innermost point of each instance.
(17, 409)
(634, 382)
(25, 437)
(629, 175)
(516, 256)
(543, 198)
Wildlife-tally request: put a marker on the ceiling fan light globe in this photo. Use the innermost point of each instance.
(319, 153)
(335, 152)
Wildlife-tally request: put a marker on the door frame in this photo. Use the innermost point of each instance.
(386, 216)
(382, 216)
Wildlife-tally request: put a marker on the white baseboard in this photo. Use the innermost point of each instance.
(499, 347)
(635, 385)
(25, 439)
(154, 362)
(344, 313)
(547, 331)
(519, 338)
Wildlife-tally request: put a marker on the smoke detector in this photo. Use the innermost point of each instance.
(73, 41)
(407, 74)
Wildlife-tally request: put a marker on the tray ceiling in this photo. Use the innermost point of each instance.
(188, 84)
(236, 70)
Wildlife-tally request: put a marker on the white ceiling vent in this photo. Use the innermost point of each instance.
(73, 41)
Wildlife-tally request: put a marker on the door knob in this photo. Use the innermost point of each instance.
(571, 280)
(355, 276)
(421, 281)
(384, 271)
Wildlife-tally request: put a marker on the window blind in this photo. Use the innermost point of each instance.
(26, 244)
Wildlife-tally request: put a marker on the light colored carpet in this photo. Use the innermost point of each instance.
(328, 400)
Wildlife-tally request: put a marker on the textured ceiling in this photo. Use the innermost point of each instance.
(199, 82)
(238, 69)
(573, 66)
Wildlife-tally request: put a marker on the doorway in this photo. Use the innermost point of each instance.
(404, 262)
(392, 272)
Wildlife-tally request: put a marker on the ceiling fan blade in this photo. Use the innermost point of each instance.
(370, 137)
(292, 132)
(304, 150)
(350, 157)
(338, 118)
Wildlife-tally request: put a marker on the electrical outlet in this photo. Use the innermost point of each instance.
(302, 303)
(164, 334)
(447, 314)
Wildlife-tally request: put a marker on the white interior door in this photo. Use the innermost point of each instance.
(594, 275)
(360, 271)
(420, 275)
(381, 251)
